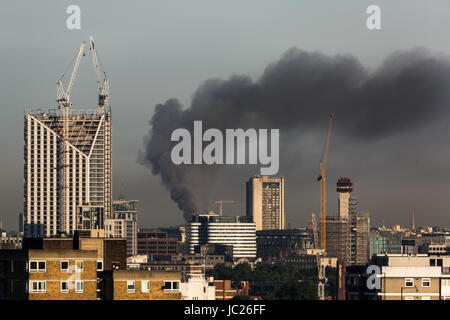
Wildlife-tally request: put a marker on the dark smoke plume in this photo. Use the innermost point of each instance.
(296, 94)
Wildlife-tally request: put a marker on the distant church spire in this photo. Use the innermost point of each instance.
(413, 224)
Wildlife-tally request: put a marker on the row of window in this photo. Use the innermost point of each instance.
(41, 266)
(409, 282)
(41, 286)
(169, 286)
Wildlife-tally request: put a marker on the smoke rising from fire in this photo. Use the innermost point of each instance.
(296, 94)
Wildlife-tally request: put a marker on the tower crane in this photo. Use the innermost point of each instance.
(63, 96)
(323, 185)
(64, 103)
(320, 275)
(102, 86)
(220, 203)
(314, 228)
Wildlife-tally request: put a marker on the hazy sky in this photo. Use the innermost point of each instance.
(156, 50)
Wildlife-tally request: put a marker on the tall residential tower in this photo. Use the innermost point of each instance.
(89, 168)
(265, 202)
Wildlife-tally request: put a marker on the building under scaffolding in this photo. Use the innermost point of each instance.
(348, 232)
(360, 239)
(338, 239)
(89, 167)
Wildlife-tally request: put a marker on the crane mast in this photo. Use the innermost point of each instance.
(314, 228)
(323, 186)
(64, 103)
(220, 203)
(102, 86)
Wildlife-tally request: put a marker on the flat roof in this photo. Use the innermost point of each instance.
(146, 275)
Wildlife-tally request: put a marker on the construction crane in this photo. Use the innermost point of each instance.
(314, 228)
(63, 96)
(102, 86)
(220, 203)
(64, 103)
(320, 276)
(323, 186)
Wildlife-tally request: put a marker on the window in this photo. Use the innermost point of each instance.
(409, 282)
(130, 286)
(79, 286)
(37, 266)
(145, 286)
(171, 286)
(64, 286)
(432, 262)
(409, 298)
(425, 282)
(99, 265)
(37, 286)
(439, 262)
(79, 265)
(65, 266)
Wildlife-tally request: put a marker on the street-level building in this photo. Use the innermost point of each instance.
(197, 287)
(413, 277)
(145, 285)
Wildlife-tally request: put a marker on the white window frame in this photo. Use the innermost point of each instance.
(99, 261)
(38, 290)
(68, 266)
(131, 282)
(409, 298)
(426, 280)
(76, 265)
(64, 290)
(145, 286)
(409, 280)
(171, 286)
(77, 282)
(37, 265)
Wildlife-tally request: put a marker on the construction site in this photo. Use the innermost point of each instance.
(67, 157)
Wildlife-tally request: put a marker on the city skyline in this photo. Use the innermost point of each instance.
(390, 173)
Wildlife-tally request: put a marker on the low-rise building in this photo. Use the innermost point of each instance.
(11, 240)
(274, 244)
(223, 290)
(156, 244)
(52, 274)
(197, 287)
(414, 277)
(144, 285)
(62, 275)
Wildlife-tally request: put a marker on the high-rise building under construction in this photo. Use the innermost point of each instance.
(348, 232)
(88, 151)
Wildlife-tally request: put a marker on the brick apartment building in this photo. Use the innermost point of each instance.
(156, 244)
(145, 285)
(60, 268)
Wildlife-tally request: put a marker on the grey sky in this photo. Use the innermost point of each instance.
(156, 50)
